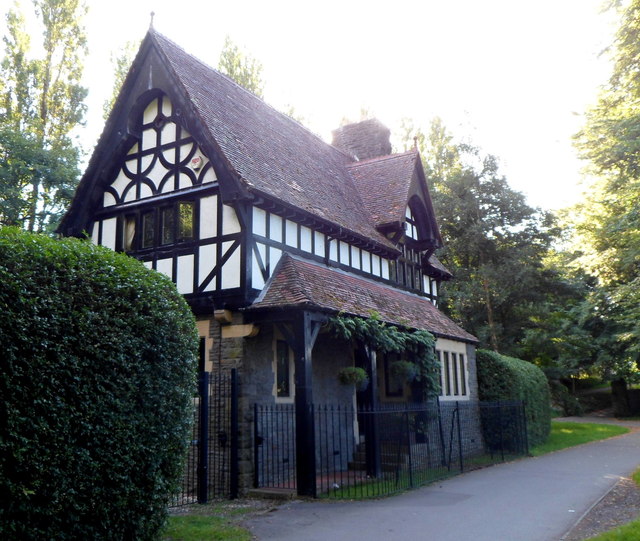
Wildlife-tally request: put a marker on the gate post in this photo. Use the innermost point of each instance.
(234, 458)
(203, 439)
(366, 358)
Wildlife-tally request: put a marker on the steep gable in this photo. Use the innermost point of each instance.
(258, 152)
(272, 155)
(390, 187)
(372, 216)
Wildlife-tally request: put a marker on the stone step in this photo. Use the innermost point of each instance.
(280, 494)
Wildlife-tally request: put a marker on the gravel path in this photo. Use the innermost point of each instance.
(619, 506)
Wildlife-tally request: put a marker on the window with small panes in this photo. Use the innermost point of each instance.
(162, 226)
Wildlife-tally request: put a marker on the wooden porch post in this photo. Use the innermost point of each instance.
(304, 331)
(366, 358)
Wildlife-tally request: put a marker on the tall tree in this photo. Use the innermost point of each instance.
(494, 242)
(42, 102)
(608, 224)
(241, 67)
(121, 61)
(23, 163)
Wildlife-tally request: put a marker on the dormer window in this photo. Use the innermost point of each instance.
(411, 230)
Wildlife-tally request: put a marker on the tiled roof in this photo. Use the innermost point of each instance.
(298, 283)
(384, 184)
(270, 152)
(436, 264)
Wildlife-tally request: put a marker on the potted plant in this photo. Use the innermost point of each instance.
(354, 375)
(404, 370)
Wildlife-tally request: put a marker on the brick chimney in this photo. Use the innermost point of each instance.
(363, 140)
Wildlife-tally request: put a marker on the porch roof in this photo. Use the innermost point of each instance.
(298, 283)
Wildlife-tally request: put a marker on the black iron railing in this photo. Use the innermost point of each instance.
(211, 469)
(373, 452)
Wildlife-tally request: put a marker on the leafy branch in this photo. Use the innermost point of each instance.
(418, 346)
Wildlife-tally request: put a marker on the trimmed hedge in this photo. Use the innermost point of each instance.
(96, 380)
(507, 378)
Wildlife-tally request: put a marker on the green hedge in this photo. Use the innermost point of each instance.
(96, 382)
(506, 378)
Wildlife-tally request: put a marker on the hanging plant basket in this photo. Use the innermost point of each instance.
(383, 337)
(404, 370)
(353, 375)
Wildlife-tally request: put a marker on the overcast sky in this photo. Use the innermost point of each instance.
(513, 76)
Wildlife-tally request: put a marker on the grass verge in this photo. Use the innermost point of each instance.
(564, 435)
(213, 522)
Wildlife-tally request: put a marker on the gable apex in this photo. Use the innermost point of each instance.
(391, 184)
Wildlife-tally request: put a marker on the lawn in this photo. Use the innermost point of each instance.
(565, 435)
(198, 528)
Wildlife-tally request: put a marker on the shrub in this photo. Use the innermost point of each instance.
(96, 380)
(506, 378)
(569, 404)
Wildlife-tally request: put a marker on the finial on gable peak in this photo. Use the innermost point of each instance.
(152, 14)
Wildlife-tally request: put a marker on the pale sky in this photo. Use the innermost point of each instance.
(514, 76)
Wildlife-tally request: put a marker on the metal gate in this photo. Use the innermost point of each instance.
(211, 470)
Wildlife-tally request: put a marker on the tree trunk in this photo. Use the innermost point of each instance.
(33, 207)
(620, 398)
(492, 329)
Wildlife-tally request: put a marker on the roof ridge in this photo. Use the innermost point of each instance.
(385, 157)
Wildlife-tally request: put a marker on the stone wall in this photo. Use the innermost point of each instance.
(472, 371)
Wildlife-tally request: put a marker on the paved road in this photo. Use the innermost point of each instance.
(535, 499)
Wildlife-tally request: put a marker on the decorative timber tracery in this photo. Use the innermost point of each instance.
(166, 158)
(163, 205)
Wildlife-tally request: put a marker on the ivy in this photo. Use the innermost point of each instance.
(417, 345)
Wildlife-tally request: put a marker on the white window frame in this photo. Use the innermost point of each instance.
(456, 355)
(274, 366)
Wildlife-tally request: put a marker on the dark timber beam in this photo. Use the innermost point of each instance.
(368, 399)
(305, 331)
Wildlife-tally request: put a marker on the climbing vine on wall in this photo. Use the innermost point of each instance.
(416, 346)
